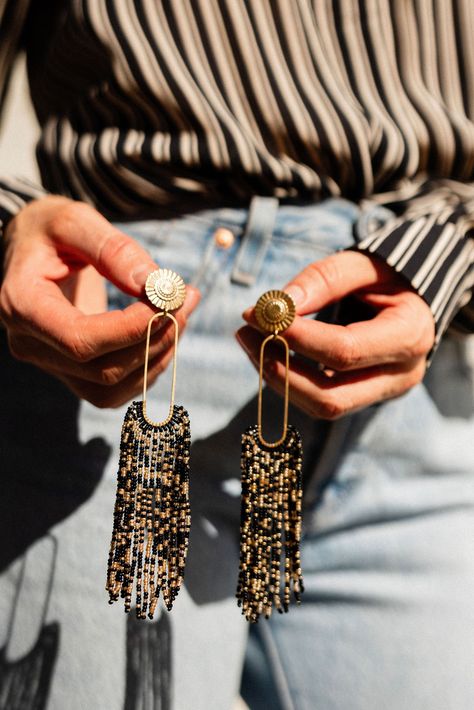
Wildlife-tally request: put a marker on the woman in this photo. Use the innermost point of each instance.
(324, 148)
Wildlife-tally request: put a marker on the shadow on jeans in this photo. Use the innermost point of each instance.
(25, 680)
(46, 471)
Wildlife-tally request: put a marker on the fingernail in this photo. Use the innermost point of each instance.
(246, 348)
(140, 274)
(246, 313)
(297, 293)
(240, 340)
(244, 345)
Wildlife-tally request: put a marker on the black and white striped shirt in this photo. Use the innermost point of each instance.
(154, 105)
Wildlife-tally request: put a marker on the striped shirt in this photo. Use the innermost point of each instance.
(149, 106)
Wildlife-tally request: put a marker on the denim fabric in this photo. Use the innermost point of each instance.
(387, 619)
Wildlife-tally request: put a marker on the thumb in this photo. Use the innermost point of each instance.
(330, 279)
(87, 235)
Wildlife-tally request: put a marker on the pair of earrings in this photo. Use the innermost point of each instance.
(152, 511)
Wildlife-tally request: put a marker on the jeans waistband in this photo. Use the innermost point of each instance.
(327, 226)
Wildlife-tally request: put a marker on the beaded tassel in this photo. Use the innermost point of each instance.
(152, 512)
(272, 491)
(270, 524)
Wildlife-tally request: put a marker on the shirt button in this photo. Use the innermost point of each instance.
(224, 238)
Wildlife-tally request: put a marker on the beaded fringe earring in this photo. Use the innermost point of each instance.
(152, 512)
(271, 492)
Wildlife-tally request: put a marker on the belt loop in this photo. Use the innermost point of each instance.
(257, 236)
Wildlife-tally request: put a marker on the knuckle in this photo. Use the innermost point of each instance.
(415, 349)
(425, 342)
(132, 332)
(417, 374)
(78, 347)
(420, 327)
(347, 355)
(10, 307)
(111, 376)
(412, 350)
(6, 314)
(419, 344)
(331, 407)
(116, 246)
(67, 216)
(4, 304)
(328, 271)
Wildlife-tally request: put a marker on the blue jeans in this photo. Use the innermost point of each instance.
(387, 619)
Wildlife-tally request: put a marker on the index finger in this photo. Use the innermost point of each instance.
(84, 337)
(396, 334)
(336, 276)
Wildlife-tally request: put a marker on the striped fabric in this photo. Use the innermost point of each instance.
(152, 106)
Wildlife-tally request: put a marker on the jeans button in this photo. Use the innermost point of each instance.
(224, 238)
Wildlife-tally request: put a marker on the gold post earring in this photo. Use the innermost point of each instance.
(271, 500)
(152, 512)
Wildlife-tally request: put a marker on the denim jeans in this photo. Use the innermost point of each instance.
(387, 618)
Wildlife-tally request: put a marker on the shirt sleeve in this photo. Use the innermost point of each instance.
(429, 239)
(14, 193)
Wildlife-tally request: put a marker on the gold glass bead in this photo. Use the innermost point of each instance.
(275, 311)
(165, 289)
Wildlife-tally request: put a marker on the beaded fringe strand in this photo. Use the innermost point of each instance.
(152, 512)
(270, 524)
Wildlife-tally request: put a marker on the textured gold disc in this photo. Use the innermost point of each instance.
(165, 289)
(275, 311)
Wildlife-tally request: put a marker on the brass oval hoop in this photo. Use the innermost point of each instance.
(273, 336)
(145, 373)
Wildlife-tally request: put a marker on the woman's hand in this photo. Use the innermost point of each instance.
(348, 367)
(53, 301)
